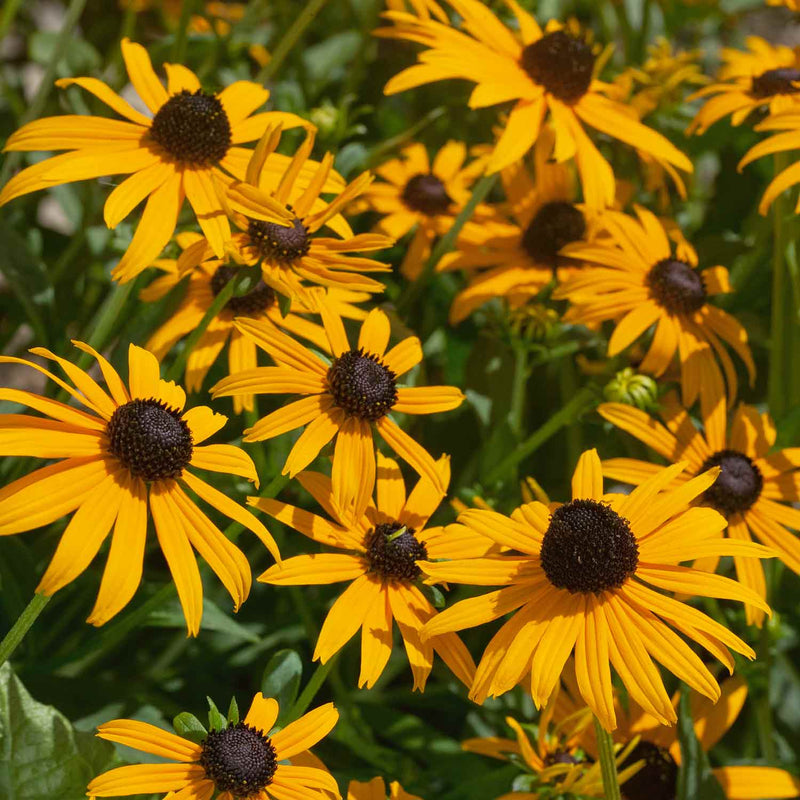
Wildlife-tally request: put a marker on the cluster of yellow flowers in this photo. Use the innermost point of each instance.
(597, 582)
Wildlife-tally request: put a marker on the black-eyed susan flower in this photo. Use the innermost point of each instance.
(192, 140)
(345, 399)
(592, 579)
(376, 790)
(126, 460)
(243, 761)
(753, 488)
(516, 254)
(556, 761)
(423, 195)
(548, 73)
(205, 282)
(765, 77)
(659, 750)
(789, 139)
(294, 251)
(382, 547)
(639, 282)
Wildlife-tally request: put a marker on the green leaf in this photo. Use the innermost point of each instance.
(216, 722)
(695, 778)
(188, 726)
(41, 754)
(282, 679)
(435, 596)
(233, 711)
(214, 619)
(284, 304)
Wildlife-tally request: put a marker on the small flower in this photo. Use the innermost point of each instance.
(124, 461)
(243, 761)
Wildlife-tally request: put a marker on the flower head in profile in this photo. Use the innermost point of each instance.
(516, 254)
(754, 490)
(421, 195)
(243, 761)
(376, 790)
(765, 77)
(260, 302)
(126, 459)
(592, 578)
(548, 73)
(192, 141)
(293, 250)
(639, 280)
(345, 399)
(381, 548)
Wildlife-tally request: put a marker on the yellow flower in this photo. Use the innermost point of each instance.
(789, 139)
(752, 488)
(660, 750)
(205, 282)
(765, 76)
(179, 153)
(545, 72)
(421, 194)
(292, 250)
(382, 547)
(131, 454)
(640, 283)
(241, 761)
(344, 399)
(376, 788)
(583, 583)
(516, 254)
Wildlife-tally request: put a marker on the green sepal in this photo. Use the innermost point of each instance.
(284, 304)
(233, 712)
(216, 722)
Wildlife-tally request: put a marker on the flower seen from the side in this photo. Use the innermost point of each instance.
(638, 281)
(547, 73)
(191, 143)
(754, 489)
(765, 77)
(421, 195)
(594, 577)
(124, 461)
(344, 399)
(205, 282)
(382, 547)
(243, 761)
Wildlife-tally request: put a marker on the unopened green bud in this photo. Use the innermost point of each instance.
(632, 388)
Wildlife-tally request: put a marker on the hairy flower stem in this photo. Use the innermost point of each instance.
(608, 765)
(23, 624)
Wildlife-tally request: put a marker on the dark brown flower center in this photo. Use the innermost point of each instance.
(588, 547)
(657, 779)
(257, 300)
(392, 550)
(193, 128)
(776, 81)
(555, 225)
(739, 484)
(561, 63)
(362, 385)
(676, 287)
(150, 439)
(427, 194)
(278, 244)
(239, 759)
(560, 757)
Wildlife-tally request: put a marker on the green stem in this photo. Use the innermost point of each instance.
(446, 243)
(23, 624)
(37, 105)
(179, 46)
(176, 370)
(777, 379)
(608, 765)
(565, 416)
(312, 687)
(301, 22)
(521, 373)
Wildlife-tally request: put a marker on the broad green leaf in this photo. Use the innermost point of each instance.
(695, 778)
(188, 725)
(41, 754)
(282, 679)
